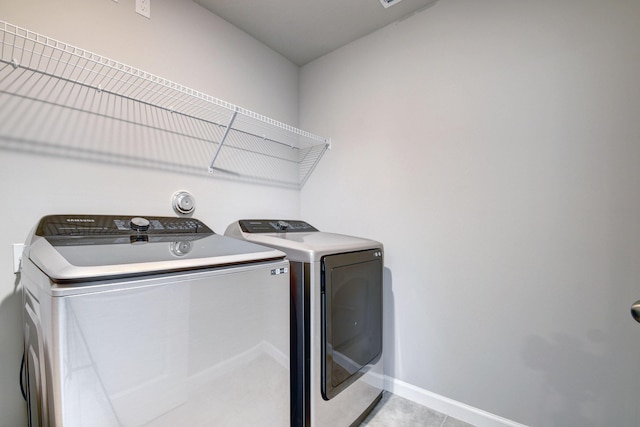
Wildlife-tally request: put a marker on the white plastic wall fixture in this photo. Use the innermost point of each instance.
(387, 3)
(183, 203)
(18, 248)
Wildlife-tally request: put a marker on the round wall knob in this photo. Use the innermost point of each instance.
(183, 203)
(635, 310)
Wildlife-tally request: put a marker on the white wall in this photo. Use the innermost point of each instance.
(182, 42)
(494, 148)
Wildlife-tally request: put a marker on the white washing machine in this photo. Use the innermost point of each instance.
(153, 321)
(336, 319)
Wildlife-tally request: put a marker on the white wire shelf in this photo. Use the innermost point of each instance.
(57, 99)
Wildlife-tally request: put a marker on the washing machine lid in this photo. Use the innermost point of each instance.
(74, 248)
(295, 239)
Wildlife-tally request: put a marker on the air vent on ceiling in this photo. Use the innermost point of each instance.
(387, 3)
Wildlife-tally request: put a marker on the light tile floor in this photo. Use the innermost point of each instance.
(395, 411)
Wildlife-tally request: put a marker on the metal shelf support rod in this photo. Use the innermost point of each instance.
(224, 137)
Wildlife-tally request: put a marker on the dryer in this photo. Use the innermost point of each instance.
(336, 319)
(153, 321)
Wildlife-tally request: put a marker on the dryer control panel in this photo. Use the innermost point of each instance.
(275, 226)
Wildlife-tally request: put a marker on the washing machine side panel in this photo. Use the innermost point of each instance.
(34, 359)
(39, 340)
(348, 405)
(201, 348)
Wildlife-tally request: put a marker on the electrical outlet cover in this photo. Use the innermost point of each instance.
(143, 7)
(18, 248)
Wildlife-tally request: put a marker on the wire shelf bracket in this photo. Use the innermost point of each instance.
(224, 138)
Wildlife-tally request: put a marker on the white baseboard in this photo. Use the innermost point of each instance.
(447, 406)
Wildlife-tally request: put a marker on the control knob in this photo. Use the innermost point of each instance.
(139, 224)
(283, 225)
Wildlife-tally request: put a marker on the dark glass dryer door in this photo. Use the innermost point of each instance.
(351, 317)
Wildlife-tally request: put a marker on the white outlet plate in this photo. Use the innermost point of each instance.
(143, 7)
(18, 248)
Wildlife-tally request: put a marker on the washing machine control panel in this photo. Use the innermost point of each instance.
(57, 227)
(275, 226)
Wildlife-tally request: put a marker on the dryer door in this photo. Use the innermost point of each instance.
(351, 317)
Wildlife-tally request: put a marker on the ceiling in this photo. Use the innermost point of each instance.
(303, 30)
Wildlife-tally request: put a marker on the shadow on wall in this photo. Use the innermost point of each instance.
(575, 380)
(11, 356)
(43, 116)
(388, 323)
